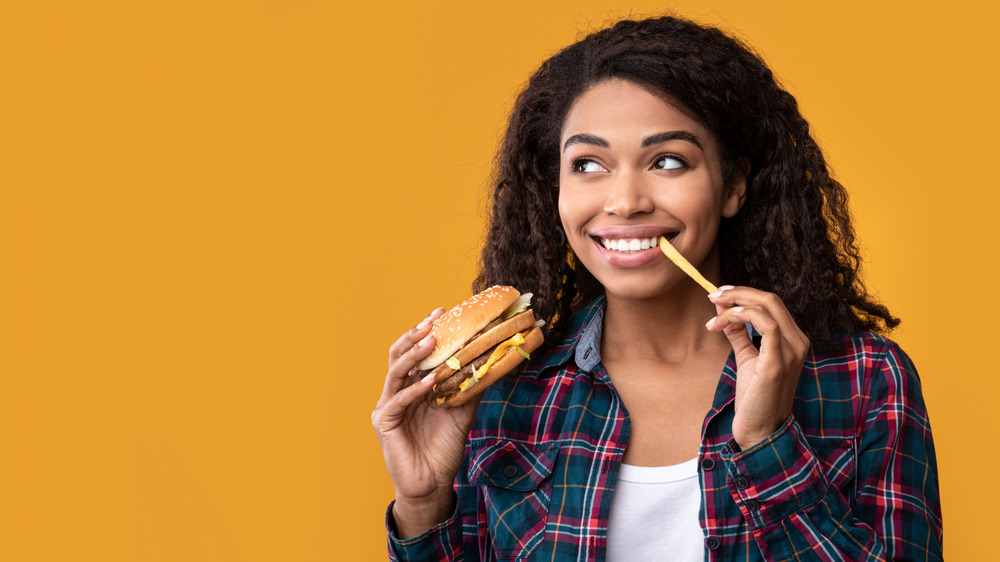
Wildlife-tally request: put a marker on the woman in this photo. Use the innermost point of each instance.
(621, 439)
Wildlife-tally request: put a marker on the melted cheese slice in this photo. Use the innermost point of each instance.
(499, 352)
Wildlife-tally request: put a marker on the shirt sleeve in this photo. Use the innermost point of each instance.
(441, 542)
(892, 512)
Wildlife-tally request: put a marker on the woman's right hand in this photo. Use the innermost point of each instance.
(423, 443)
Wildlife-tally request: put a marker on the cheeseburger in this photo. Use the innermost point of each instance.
(480, 341)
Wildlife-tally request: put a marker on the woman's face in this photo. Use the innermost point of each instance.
(633, 168)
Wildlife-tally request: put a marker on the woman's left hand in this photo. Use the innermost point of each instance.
(765, 378)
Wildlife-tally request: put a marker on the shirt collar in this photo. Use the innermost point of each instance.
(582, 342)
(583, 339)
(588, 349)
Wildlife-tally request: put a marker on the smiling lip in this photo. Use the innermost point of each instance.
(630, 247)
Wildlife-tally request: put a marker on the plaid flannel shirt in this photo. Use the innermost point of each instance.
(851, 475)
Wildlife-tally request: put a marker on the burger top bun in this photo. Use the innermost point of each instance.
(459, 324)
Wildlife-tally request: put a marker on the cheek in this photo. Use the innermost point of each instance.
(566, 212)
(705, 206)
(574, 213)
(700, 205)
(567, 203)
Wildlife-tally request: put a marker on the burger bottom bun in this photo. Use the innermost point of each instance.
(532, 341)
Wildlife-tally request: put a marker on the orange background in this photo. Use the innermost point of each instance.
(216, 216)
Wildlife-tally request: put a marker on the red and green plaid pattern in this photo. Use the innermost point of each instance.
(851, 475)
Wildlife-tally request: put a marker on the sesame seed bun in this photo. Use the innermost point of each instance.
(461, 323)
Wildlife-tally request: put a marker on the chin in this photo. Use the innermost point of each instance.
(639, 287)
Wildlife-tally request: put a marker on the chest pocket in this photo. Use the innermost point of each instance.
(837, 458)
(514, 481)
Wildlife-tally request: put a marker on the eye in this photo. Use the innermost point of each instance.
(669, 162)
(586, 166)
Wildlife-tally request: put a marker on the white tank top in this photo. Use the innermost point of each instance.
(654, 514)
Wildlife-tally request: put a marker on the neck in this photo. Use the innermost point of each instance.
(668, 328)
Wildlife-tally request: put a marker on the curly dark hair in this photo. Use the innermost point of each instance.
(793, 235)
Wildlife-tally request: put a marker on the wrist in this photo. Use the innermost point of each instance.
(750, 440)
(415, 516)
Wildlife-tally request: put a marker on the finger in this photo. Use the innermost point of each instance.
(738, 316)
(775, 350)
(388, 414)
(729, 296)
(400, 371)
(413, 335)
(737, 334)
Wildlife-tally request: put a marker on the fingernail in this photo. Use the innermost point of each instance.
(425, 342)
(718, 293)
(737, 309)
(710, 322)
(427, 378)
(423, 324)
(427, 320)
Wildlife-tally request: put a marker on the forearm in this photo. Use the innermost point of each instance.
(797, 513)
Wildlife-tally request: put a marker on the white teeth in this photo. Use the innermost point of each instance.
(629, 245)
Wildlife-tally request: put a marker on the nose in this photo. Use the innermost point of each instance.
(628, 196)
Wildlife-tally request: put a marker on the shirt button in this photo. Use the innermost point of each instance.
(510, 471)
(713, 542)
(707, 464)
(742, 482)
(753, 505)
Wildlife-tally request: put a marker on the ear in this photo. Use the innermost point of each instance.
(736, 192)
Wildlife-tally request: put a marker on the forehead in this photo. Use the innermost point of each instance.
(622, 110)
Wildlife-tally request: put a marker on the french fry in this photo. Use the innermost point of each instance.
(685, 265)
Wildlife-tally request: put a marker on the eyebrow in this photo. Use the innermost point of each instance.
(586, 139)
(669, 136)
(651, 140)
